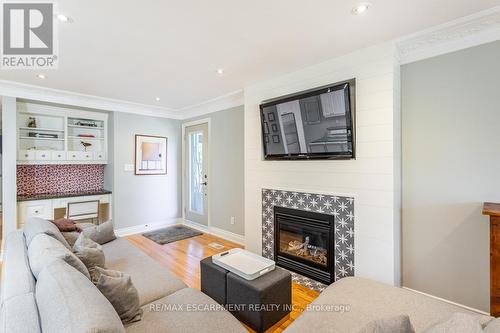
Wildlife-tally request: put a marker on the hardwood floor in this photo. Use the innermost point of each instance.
(183, 259)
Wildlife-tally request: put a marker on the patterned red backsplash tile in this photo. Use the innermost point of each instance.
(41, 179)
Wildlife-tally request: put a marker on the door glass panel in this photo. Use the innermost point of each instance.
(196, 191)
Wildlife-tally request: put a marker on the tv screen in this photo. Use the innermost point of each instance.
(318, 123)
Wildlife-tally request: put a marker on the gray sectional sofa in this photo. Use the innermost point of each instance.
(351, 303)
(63, 300)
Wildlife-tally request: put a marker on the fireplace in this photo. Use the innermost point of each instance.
(303, 243)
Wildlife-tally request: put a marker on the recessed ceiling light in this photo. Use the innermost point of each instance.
(62, 18)
(220, 71)
(157, 99)
(361, 8)
(41, 76)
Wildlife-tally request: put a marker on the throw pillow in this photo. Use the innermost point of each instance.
(71, 237)
(89, 252)
(45, 249)
(117, 287)
(64, 224)
(397, 324)
(35, 225)
(102, 233)
(458, 323)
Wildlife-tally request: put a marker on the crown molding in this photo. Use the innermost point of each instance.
(50, 95)
(223, 102)
(43, 94)
(480, 28)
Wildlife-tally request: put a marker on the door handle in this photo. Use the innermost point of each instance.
(204, 183)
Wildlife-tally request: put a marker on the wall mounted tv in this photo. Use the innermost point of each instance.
(314, 124)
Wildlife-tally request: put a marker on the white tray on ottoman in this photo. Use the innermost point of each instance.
(244, 263)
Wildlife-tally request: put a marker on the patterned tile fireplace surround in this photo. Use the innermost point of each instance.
(342, 208)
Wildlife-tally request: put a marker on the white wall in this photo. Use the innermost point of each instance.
(9, 158)
(372, 178)
(226, 169)
(152, 199)
(451, 159)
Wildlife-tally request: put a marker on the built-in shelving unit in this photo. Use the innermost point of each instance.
(54, 135)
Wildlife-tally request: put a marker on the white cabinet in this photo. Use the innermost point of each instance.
(37, 208)
(45, 208)
(54, 135)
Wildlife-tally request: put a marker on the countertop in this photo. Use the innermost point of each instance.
(48, 196)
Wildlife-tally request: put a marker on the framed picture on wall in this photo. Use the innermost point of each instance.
(150, 155)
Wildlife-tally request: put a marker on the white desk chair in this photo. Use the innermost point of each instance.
(83, 210)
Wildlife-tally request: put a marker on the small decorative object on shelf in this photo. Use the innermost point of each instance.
(31, 122)
(88, 123)
(42, 135)
(85, 145)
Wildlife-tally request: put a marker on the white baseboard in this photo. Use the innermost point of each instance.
(227, 235)
(146, 227)
(449, 302)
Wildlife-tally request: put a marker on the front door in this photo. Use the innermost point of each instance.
(196, 173)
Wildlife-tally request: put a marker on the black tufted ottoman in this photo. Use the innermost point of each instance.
(259, 303)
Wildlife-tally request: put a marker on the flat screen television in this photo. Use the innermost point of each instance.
(314, 124)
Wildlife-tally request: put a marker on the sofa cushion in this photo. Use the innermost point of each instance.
(187, 310)
(17, 278)
(44, 249)
(458, 323)
(19, 314)
(151, 279)
(359, 301)
(493, 326)
(89, 252)
(102, 233)
(35, 225)
(118, 288)
(69, 302)
(397, 324)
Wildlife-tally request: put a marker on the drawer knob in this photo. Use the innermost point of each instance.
(74, 155)
(43, 155)
(26, 155)
(36, 212)
(58, 155)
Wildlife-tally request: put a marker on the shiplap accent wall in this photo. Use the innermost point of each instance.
(373, 178)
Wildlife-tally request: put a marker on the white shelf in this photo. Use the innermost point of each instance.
(37, 129)
(63, 123)
(34, 138)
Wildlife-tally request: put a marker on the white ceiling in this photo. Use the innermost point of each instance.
(137, 50)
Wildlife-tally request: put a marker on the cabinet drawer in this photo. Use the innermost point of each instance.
(58, 155)
(99, 156)
(38, 208)
(87, 156)
(26, 155)
(75, 155)
(37, 211)
(43, 155)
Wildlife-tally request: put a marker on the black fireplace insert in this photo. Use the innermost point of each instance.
(304, 243)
